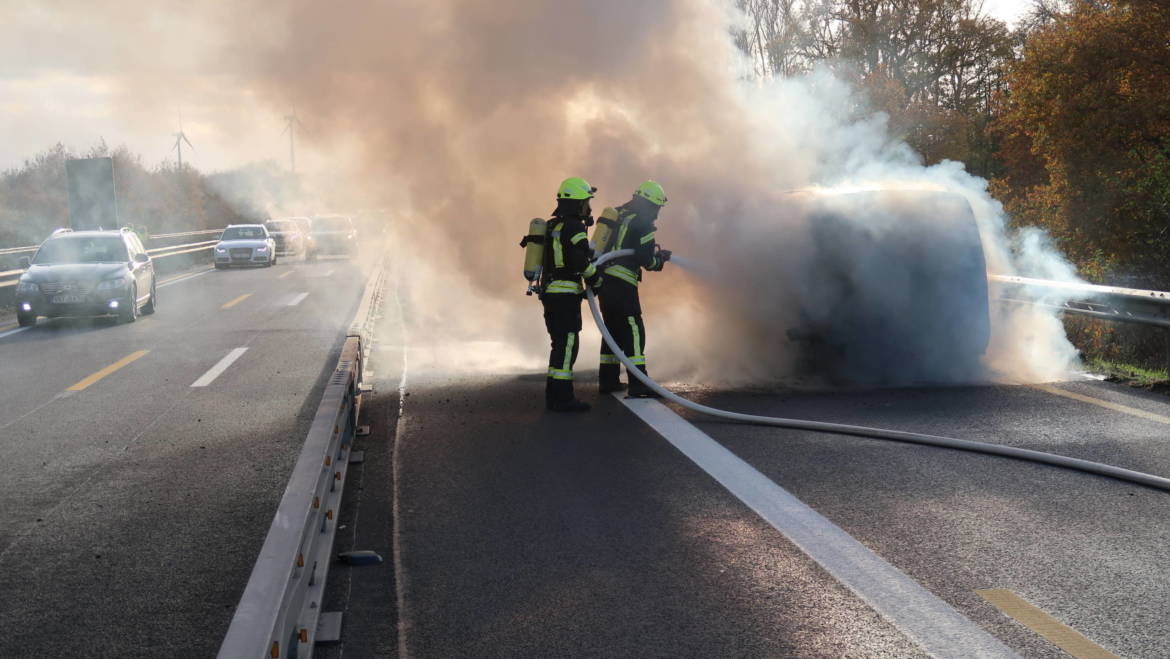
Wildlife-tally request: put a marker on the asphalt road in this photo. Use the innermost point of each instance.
(521, 533)
(136, 503)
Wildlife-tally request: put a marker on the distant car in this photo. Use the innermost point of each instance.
(335, 235)
(306, 226)
(287, 235)
(87, 273)
(245, 244)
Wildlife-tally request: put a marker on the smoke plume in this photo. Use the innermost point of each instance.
(462, 117)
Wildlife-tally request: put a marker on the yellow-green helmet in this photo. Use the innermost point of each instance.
(575, 188)
(651, 191)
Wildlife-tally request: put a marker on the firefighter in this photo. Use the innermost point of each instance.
(566, 262)
(634, 229)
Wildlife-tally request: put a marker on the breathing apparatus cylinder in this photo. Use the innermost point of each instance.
(604, 233)
(533, 245)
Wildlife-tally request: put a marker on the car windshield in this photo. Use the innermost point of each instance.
(82, 249)
(243, 233)
(332, 224)
(280, 225)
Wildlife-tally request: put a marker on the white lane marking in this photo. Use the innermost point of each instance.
(11, 332)
(297, 300)
(183, 278)
(404, 612)
(927, 620)
(219, 368)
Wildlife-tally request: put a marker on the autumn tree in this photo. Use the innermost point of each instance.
(1086, 134)
(934, 66)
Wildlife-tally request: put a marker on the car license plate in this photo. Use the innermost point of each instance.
(66, 299)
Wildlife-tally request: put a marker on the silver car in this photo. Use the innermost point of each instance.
(290, 241)
(245, 244)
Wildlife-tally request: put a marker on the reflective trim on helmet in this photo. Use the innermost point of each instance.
(652, 191)
(575, 188)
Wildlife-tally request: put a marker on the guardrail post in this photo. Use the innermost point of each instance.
(1168, 353)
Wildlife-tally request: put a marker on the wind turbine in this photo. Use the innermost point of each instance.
(181, 137)
(291, 123)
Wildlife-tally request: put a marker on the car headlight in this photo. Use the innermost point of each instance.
(220, 250)
(116, 282)
(27, 287)
(261, 249)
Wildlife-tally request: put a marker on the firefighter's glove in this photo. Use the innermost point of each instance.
(660, 259)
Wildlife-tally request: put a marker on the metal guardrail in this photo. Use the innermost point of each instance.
(10, 277)
(201, 232)
(278, 613)
(1110, 303)
(17, 250)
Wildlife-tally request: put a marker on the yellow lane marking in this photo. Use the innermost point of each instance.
(1124, 409)
(107, 370)
(236, 301)
(1059, 634)
(286, 273)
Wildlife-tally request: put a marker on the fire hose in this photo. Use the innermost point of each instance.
(1077, 464)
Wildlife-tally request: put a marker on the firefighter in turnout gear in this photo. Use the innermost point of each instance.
(566, 262)
(630, 226)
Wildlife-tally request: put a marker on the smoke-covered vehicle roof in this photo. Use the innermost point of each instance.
(82, 247)
(244, 232)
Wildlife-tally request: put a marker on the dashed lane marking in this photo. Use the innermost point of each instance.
(297, 300)
(1116, 407)
(215, 371)
(236, 301)
(285, 274)
(1059, 634)
(915, 611)
(107, 370)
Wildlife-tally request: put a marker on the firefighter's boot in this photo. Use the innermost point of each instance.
(638, 389)
(609, 378)
(558, 397)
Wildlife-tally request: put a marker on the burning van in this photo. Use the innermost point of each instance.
(894, 286)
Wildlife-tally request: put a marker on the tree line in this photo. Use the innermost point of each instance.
(1067, 114)
(34, 197)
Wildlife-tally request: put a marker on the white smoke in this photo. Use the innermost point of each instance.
(463, 116)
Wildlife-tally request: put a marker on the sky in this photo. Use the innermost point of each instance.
(61, 80)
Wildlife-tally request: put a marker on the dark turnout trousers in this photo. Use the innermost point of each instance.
(622, 312)
(562, 318)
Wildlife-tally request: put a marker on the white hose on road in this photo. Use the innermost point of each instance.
(1088, 466)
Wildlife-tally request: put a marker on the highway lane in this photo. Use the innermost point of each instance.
(1089, 550)
(137, 503)
(522, 533)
